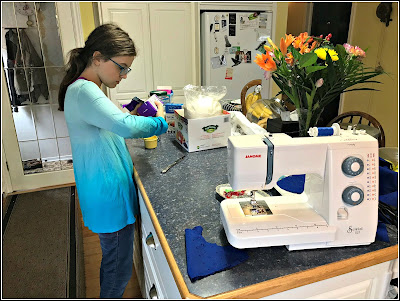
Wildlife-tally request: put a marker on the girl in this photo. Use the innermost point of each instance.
(103, 167)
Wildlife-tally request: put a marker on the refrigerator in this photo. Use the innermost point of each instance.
(230, 41)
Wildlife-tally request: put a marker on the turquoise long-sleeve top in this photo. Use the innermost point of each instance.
(103, 167)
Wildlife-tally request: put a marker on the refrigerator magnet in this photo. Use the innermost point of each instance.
(247, 57)
(227, 43)
(223, 25)
(261, 48)
(232, 30)
(233, 49)
(232, 18)
(229, 73)
(218, 61)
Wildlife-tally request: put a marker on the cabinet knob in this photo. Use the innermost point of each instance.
(150, 241)
(153, 292)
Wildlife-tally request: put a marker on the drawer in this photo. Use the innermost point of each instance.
(154, 289)
(156, 255)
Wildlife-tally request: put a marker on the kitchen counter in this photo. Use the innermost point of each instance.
(184, 198)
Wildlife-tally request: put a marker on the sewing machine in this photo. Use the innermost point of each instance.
(339, 205)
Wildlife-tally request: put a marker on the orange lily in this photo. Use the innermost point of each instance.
(303, 36)
(313, 45)
(289, 39)
(297, 43)
(283, 46)
(300, 40)
(265, 61)
(304, 49)
(289, 59)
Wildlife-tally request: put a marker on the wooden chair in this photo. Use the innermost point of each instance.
(364, 119)
(244, 92)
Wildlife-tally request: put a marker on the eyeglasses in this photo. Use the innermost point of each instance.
(124, 70)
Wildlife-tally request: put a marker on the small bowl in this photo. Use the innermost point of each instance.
(150, 142)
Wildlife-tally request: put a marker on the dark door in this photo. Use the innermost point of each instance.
(334, 18)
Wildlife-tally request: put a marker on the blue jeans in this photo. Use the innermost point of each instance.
(117, 261)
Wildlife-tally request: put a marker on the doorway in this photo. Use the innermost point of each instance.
(33, 65)
(334, 18)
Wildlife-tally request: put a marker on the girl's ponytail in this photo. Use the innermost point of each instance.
(76, 64)
(109, 39)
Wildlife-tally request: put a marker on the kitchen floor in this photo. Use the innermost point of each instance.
(92, 257)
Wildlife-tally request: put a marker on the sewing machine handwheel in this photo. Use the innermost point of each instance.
(352, 166)
(353, 195)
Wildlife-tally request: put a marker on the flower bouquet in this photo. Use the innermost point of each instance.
(312, 72)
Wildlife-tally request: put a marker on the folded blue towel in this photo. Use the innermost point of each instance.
(204, 258)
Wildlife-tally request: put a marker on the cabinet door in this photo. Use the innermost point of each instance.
(173, 36)
(134, 19)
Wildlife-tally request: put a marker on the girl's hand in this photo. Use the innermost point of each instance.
(134, 111)
(160, 109)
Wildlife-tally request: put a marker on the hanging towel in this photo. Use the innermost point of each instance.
(204, 258)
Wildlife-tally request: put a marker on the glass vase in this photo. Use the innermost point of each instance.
(306, 121)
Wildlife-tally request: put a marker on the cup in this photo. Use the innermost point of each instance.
(150, 142)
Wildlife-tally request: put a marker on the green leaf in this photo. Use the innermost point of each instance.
(311, 69)
(309, 101)
(359, 89)
(296, 54)
(307, 59)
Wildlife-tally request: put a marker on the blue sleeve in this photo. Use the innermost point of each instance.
(96, 109)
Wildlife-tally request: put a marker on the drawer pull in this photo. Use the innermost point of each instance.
(153, 292)
(150, 241)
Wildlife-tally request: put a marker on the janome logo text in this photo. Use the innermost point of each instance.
(253, 156)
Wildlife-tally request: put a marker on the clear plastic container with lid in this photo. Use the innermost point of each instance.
(162, 96)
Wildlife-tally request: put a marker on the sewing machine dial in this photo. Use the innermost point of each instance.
(352, 166)
(353, 195)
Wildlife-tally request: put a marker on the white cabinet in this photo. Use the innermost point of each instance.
(164, 36)
(368, 283)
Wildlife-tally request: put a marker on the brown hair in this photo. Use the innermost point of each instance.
(109, 39)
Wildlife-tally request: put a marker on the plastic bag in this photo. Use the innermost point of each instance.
(203, 101)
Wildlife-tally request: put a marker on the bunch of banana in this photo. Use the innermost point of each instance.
(252, 98)
(261, 111)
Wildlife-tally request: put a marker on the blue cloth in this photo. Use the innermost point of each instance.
(204, 258)
(293, 183)
(117, 261)
(103, 167)
(388, 179)
(388, 194)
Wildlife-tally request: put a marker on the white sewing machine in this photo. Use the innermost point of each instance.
(339, 205)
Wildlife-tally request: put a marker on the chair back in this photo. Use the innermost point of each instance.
(360, 118)
(250, 84)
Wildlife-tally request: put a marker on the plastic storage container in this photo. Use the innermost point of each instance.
(162, 96)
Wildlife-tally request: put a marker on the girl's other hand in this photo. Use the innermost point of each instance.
(160, 109)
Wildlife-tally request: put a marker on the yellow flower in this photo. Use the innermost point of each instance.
(267, 48)
(272, 44)
(321, 52)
